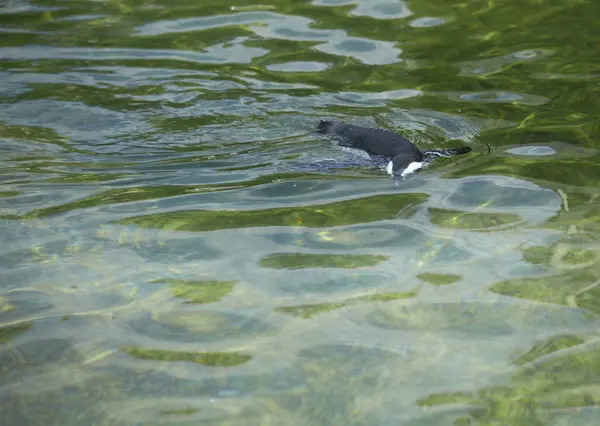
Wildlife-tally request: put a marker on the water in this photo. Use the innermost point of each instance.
(179, 248)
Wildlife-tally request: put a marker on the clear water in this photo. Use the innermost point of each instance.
(179, 248)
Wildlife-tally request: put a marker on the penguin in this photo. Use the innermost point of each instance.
(404, 157)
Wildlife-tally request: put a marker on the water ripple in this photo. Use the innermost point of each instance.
(181, 247)
(231, 52)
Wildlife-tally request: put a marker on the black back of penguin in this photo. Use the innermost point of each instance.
(373, 141)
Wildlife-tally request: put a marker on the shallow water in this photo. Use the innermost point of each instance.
(180, 248)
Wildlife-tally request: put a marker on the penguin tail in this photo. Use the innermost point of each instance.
(449, 152)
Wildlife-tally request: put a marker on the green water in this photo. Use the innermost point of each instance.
(174, 252)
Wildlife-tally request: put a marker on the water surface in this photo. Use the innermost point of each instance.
(180, 248)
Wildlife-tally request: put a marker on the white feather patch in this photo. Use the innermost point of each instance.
(411, 168)
(390, 168)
